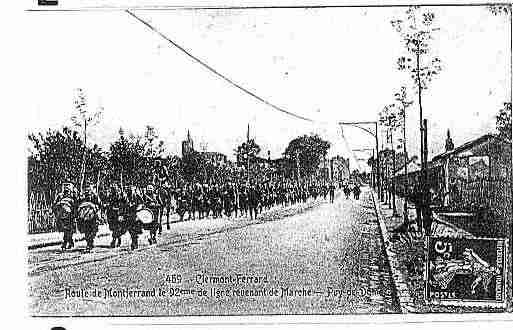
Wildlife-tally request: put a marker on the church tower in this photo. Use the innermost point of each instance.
(187, 145)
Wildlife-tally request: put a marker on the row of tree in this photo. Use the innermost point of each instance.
(58, 156)
(417, 30)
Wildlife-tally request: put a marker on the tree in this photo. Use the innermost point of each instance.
(503, 121)
(417, 32)
(403, 103)
(132, 158)
(307, 152)
(390, 119)
(83, 119)
(247, 150)
(56, 157)
(499, 9)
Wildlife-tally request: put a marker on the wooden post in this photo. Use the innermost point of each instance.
(426, 199)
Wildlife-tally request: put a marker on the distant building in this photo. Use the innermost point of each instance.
(187, 145)
(211, 156)
(339, 168)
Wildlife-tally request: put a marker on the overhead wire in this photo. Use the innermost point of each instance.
(346, 143)
(217, 73)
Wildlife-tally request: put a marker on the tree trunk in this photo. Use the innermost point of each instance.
(406, 181)
(82, 172)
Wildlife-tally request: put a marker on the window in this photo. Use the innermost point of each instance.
(469, 168)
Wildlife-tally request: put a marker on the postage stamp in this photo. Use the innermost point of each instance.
(466, 271)
(245, 159)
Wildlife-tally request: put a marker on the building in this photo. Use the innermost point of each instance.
(187, 145)
(339, 168)
(485, 158)
(475, 179)
(210, 156)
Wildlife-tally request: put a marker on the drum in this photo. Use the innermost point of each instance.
(144, 215)
(87, 211)
(63, 208)
(62, 212)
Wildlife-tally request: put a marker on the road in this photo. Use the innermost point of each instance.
(322, 259)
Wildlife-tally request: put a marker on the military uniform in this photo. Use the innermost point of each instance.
(116, 206)
(64, 209)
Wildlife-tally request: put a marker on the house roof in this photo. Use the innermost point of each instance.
(470, 144)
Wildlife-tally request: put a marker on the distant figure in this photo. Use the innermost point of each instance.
(356, 191)
(332, 192)
(347, 191)
(454, 194)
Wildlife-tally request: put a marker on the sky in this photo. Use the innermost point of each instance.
(330, 65)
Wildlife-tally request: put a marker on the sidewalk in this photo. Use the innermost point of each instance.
(407, 261)
(37, 241)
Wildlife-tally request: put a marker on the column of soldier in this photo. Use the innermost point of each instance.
(247, 199)
(133, 209)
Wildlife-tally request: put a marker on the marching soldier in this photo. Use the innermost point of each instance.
(116, 206)
(134, 199)
(228, 199)
(64, 209)
(181, 203)
(161, 174)
(89, 215)
(253, 201)
(152, 201)
(243, 200)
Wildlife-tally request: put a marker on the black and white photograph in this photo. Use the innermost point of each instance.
(268, 159)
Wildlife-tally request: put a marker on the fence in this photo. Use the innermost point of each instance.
(40, 216)
(493, 195)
